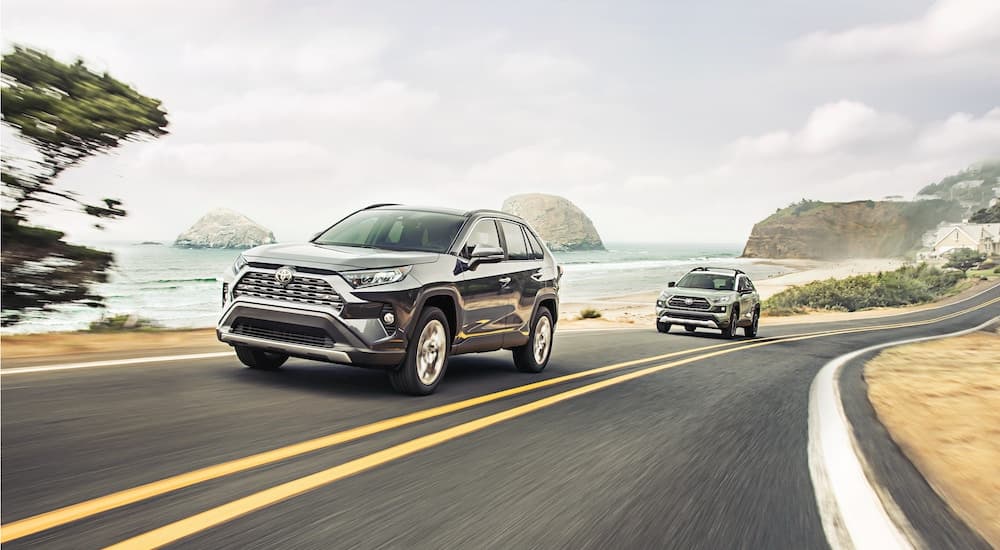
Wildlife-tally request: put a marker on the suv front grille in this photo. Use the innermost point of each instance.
(302, 290)
(696, 303)
(283, 332)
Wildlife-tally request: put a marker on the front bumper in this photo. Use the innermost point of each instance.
(707, 319)
(287, 322)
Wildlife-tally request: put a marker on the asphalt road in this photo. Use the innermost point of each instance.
(708, 453)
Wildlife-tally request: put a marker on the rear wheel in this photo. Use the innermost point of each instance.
(534, 356)
(663, 327)
(734, 317)
(260, 359)
(426, 355)
(690, 328)
(751, 331)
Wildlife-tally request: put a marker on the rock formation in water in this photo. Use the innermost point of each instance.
(222, 228)
(558, 222)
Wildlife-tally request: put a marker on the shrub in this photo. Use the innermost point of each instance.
(905, 286)
(124, 321)
(996, 270)
(589, 313)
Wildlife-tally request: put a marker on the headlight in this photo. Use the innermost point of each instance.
(722, 300)
(239, 263)
(374, 277)
(662, 300)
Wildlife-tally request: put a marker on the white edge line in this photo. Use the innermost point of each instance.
(855, 513)
(115, 362)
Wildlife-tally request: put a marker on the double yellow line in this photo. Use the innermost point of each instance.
(227, 512)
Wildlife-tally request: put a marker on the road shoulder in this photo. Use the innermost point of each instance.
(940, 402)
(891, 471)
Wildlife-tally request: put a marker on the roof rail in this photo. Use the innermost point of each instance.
(380, 204)
(734, 270)
(489, 211)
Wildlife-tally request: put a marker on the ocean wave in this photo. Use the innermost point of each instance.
(192, 280)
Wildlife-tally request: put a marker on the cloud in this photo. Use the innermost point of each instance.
(534, 69)
(964, 132)
(541, 166)
(833, 127)
(947, 27)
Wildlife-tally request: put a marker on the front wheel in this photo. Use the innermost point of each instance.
(751, 331)
(426, 355)
(690, 328)
(260, 359)
(730, 331)
(663, 327)
(534, 356)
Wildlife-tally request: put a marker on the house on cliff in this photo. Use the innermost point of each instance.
(984, 237)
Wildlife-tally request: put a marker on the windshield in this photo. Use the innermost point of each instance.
(707, 281)
(395, 230)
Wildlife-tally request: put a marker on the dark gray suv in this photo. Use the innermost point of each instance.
(399, 288)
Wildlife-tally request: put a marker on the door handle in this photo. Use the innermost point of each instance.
(504, 281)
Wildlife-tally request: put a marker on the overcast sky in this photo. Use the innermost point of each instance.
(664, 121)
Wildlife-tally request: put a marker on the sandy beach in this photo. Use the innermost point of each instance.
(636, 308)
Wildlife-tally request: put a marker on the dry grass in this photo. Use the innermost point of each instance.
(71, 343)
(940, 400)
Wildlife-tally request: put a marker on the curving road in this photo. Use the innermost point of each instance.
(677, 441)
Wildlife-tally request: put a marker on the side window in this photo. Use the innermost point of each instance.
(517, 249)
(484, 233)
(536, 248)
(749, 284)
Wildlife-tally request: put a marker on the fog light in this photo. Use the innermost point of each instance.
(388, 318)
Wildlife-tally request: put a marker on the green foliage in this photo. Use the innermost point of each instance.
(905, 286)
(589, 313)
(67, 113)
(987, 215)
(122, 322)
(40, 270)
(996, 270)
(965, 259)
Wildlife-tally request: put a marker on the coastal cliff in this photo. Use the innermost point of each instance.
(836, 230)
(222, 228)
(559, 222)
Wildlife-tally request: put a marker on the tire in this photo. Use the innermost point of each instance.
(751, 331)
(663, 327)
(534, 356)
(690, 328)
(260, 359)
(426, 355)
(730, 331)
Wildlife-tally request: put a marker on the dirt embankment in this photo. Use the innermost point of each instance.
(940, 400)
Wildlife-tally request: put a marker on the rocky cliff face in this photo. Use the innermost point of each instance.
(863, 229)
(558, 222)
(222, 228)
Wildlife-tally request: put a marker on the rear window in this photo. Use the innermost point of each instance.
(395, 230)
(517, 248)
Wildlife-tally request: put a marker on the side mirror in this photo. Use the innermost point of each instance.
(671, 284)
(485, 255)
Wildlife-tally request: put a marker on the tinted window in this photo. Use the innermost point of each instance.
(517, 249)
(395, 230)
(484, 233)
(708, 281)
(536, 247)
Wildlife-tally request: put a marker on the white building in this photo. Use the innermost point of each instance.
(984, 237)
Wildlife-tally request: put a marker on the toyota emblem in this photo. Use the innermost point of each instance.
(688, 301)
(284, 275)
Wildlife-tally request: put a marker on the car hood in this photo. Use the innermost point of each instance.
(337, 258)
(697, 292)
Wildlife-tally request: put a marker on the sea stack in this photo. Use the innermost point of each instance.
(223, 228)
(559, 222)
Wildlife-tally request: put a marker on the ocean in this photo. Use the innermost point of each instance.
(177, 287)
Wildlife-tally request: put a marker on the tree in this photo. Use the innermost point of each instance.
(965, 259)
(66, 113)
(987, 215)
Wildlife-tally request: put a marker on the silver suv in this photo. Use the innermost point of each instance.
(710, 297)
